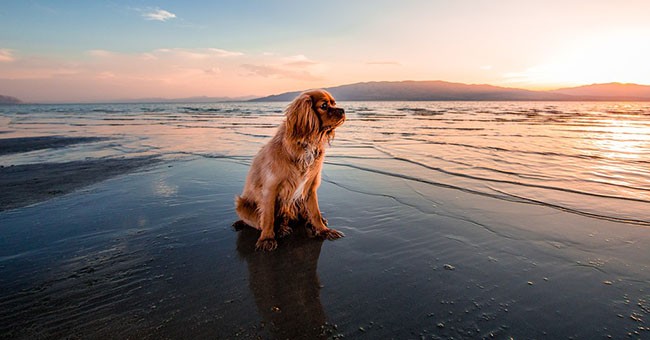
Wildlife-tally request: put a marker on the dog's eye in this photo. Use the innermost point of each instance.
(324, 106)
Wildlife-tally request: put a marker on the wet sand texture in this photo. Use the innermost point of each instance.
(25, 144)
(30, 183)
(285, 284)
(21, 185)
(153, 255)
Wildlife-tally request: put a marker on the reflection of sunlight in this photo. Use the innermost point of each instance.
(618, 145)
(623, 139)
(163, 189)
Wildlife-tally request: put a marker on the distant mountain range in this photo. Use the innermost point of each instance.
(9, 100)
(442, 90)
(428, 90)
(614, 91)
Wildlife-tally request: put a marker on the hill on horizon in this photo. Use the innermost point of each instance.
(9, 100)
(410, 90)
(616, 90)
(448, 91)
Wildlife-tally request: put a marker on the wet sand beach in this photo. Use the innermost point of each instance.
(24, 144)
(145, 247)
(153, 254)
(25, 184)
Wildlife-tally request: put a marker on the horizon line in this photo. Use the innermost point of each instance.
(216, 99)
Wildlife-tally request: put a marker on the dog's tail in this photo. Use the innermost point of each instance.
(247, 211)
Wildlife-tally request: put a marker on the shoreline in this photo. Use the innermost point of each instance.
(25, 184)
(25, 144)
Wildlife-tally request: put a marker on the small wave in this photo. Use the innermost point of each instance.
(188, 109)
(422, 111)
(152, 109)
(252, 135)
(108, 111)
(529, 152)
(631, 112)
(531, 185)
(503, 195)
(420, 180)
(376, 114)
(576, 211)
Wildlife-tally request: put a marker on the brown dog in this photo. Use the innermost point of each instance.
(286, 173)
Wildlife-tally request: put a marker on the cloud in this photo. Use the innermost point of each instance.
(106, 75)
(182, 53)
(269, 71)
(158, 14)
(294, 67)
(299, 61)
(197, 53)
(213, 71)
(223, 53)
(148, 56)
(38, 71)
(99, 53)
(168, 72)
(6, 55)
(382, 62)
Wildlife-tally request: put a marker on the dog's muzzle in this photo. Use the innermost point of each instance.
(335, 111)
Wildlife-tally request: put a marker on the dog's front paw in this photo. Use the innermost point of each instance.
(267, 244)
(330, 234)
(284, 231)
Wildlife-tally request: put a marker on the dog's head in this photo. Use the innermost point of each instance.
(311, 114)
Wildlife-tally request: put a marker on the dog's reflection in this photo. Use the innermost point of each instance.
(285, 283)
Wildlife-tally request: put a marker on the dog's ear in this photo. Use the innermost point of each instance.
(301, 123)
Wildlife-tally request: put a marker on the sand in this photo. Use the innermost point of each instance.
(24, 184)
(30, 183)
(24, 144)
(149, 252)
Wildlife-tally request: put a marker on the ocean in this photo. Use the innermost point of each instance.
(587, 158)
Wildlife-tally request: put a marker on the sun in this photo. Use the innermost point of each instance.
(599, 58)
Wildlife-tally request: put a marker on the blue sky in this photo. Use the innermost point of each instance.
(87, 50)
(76, 26)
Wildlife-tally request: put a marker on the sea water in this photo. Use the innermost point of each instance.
(587, 158)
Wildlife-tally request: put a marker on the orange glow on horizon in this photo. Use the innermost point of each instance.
(602, 58)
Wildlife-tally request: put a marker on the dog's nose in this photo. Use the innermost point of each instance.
(338, 111)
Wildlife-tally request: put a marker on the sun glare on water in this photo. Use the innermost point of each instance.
(623, 140)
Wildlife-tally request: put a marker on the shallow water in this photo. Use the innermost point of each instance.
(463, 220)
(152, 255)
(588, 158)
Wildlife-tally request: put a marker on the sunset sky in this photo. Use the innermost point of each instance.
(68, 51)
